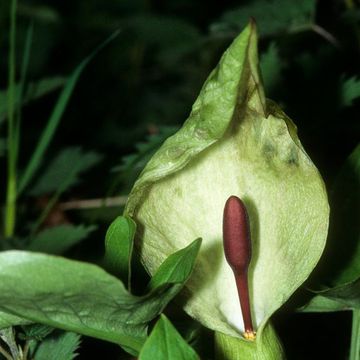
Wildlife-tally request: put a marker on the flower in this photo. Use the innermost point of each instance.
(235, 142)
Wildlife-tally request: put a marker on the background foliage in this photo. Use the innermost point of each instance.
(137, 91)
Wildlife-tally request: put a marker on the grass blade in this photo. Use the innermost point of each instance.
(10, 209)
(55, 117)
(19, 100)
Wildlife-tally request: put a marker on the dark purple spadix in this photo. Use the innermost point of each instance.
(237, 248)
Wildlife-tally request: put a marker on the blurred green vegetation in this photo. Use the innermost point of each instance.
(139, 89)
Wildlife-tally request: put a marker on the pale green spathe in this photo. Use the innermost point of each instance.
(234, 143)
(266, 347)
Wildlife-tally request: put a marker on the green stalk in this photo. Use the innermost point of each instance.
(20, 94)
(10, 208)
(8, 336)
(5, 354)
(355, 336)
(266, 346)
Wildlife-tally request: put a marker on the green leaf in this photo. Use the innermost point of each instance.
(342, 270)
(342, 297)
(346, 198)
(166, 343)
(35, 90)
(321, 303)
(35, 332)
(63, 172)
(53, 122)
(343, 256)
(61, 346)
(176, 267)
(271, 66)
(272, 16)
(172, 35)
(57, 240)
(134, 163)
(78, 297)
(235, 142)
(349, 91)
(7, 320)
(118, 247)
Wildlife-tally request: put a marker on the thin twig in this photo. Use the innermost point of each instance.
(325, 34)
(316, 29)
(93, 203)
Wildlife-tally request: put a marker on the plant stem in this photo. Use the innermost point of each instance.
(4, 353)
(26, 350)
(21, 86)
(10, 209)
(8, 336)
(355, 336)
(318, 30)
(266, 346)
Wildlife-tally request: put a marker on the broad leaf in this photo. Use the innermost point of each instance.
(342, 297)
(63, 172)
(7, 320)
(77, 297)
(321, 303)
(166, 343)
(118, 247)
(342, 263)
(59, 239)
(346, 210)
(342, 270)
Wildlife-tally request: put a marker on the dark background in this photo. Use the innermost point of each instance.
(140, 89)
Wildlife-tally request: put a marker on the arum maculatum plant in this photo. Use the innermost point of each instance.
(235, 145)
